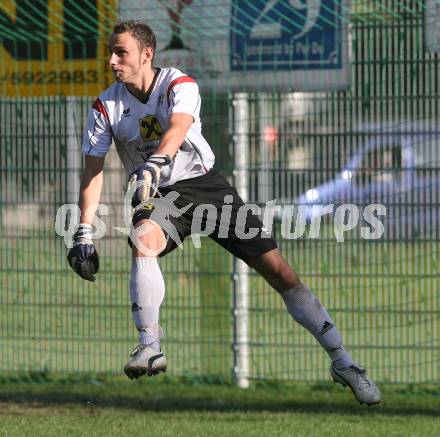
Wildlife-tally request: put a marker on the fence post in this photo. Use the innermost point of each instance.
(241, 270)
(264, 186)
(73, 163)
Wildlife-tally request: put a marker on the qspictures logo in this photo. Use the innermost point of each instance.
(208, 218)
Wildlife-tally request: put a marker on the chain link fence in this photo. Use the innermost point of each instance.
(382, 293)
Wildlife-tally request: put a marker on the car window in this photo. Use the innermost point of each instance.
(382, 164)
(427, 156)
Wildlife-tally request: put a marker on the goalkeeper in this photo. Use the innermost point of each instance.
(152, 116)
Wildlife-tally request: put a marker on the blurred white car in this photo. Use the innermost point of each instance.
(396, 167)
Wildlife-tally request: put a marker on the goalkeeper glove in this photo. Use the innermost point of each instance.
(83, 257)
(149, 174)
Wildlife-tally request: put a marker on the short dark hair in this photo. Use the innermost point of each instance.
(138, 30)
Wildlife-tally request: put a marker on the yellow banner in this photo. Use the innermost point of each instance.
(374, 11)
(58, 48)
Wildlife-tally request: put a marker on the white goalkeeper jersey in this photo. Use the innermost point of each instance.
(136, 126)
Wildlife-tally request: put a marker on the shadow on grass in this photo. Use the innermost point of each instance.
(211, 399)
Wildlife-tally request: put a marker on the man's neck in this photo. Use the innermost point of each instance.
(141, 88)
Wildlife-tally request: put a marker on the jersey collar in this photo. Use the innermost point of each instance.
(150, 88)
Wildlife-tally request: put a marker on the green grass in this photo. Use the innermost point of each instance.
(167, 407)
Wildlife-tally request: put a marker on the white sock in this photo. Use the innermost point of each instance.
(306, 309)
(147, 289)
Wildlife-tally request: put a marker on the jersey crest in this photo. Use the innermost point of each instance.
(150, 128)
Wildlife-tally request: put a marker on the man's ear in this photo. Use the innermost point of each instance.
(148, 55)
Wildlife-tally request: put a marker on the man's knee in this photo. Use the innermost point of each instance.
(275, 269)
(148, 239)
(285, 275)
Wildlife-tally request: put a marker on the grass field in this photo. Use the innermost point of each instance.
(168, 407)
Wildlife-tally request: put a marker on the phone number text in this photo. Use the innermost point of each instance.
(52, 77)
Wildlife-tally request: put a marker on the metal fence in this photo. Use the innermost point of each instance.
(219, 317)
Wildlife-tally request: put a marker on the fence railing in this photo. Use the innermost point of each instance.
(374, 143)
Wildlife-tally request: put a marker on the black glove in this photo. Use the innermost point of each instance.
(149, 174)
(83, 257)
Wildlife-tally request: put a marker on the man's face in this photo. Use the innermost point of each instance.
(126, 58)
